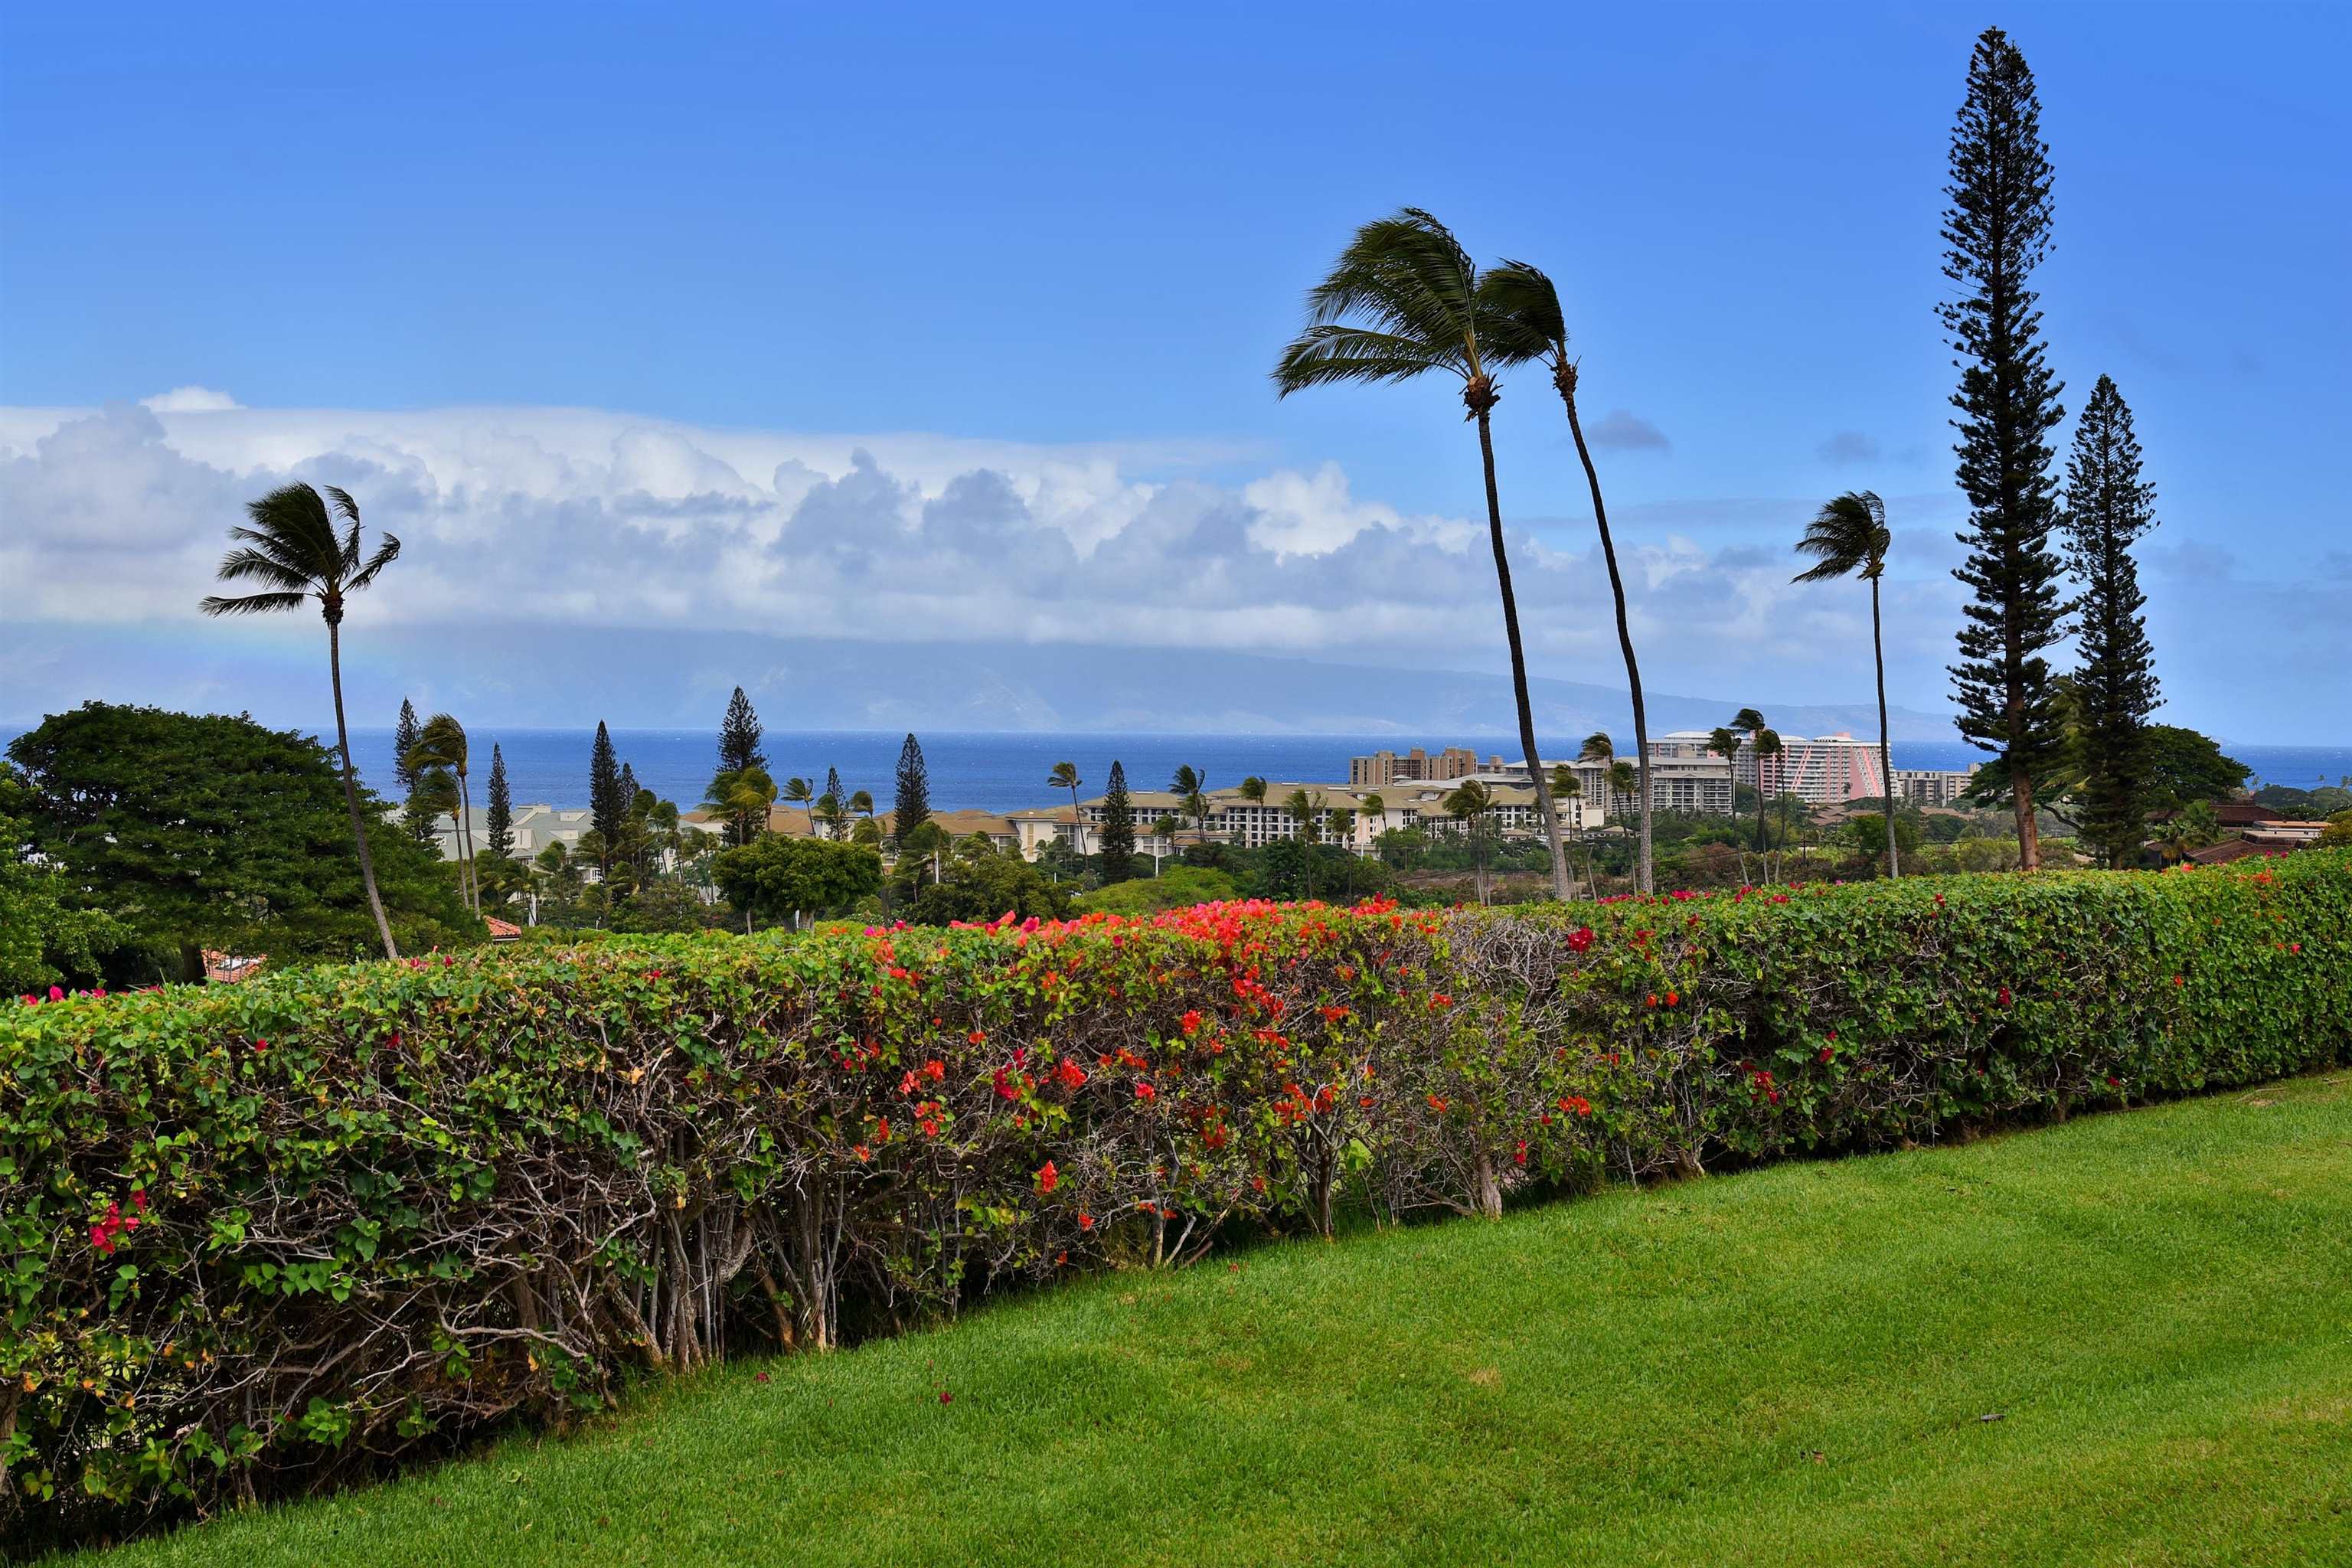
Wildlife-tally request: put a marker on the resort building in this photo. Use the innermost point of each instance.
(1930, 786)
(1822, 770)
(1382, 769)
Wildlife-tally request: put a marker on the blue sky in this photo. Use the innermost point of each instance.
(1084, 232)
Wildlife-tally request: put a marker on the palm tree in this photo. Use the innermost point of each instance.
(441, 743)
(1750, 724)
(1767, 744)
(862, 802)
(2193, 827)
(1849, 536)
(1375, 811)
(1467, 803)
(1302, 811)
(291, 546)
(1402, 300)
(1565, 788)
(1252, 789)
(1190, 788)
(835, 814)
(1526, 325)
(1599, 748)
(1066, 776)
(798, 791)
(743, 797)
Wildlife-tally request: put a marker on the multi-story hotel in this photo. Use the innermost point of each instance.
(1822, 770)
(1382, 769)
(1930, 786)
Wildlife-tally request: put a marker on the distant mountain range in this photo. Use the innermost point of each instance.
(562, 676)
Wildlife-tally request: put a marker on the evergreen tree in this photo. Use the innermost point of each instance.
(1996, 230)
(404, 732)
(608, 807)
(419, 796)
(840, 798)
(912, 808)
(738, 736)
(2108, 507)
(500, 819)
(1118, 830)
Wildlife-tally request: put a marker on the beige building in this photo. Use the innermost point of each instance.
(1930, 786)
(1382, 769)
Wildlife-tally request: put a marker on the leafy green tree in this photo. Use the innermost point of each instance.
(1996, 231)
(980, 884)
(1878, 839)
(499, 819)
(608, 797)
(912, 805)
(1403, 300)
(44, 939)
(1526, 325)
(1849, 538)
(290, 546)
(214, 832)
(441, 743)
(776, 877)
(2108, 508)
(1118, 829)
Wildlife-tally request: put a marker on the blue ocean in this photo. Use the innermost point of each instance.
(1007, 771)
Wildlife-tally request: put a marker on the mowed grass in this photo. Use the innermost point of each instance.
(1800, 1364)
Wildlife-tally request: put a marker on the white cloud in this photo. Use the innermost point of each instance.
(582, 518)
(191, 400)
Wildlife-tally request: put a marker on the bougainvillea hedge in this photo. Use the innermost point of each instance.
(264, 1234)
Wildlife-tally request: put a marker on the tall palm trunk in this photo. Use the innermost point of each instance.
(1886, 753)
(350, 784)
(466, 842)
(1565, 379)
(1482, 406)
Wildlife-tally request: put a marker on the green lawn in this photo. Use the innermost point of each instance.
(1794, 1365)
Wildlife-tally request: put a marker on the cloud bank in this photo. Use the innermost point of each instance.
(574, 518)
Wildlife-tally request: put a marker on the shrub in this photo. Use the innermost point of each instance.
(261, 1235)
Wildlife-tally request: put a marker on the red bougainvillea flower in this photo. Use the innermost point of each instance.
(260, 1047)
(935, 1070)
(1674, 998)
(2003, 998)
(1049, 1178)
(1827, 1051)
(1086, 1220)
(1069, 1074)
(1192, 1022)
(978, 1036)
(1580, 939)
(1145, 1091)
(1437, 1104)
(1440, 999)
(1520, 1154)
